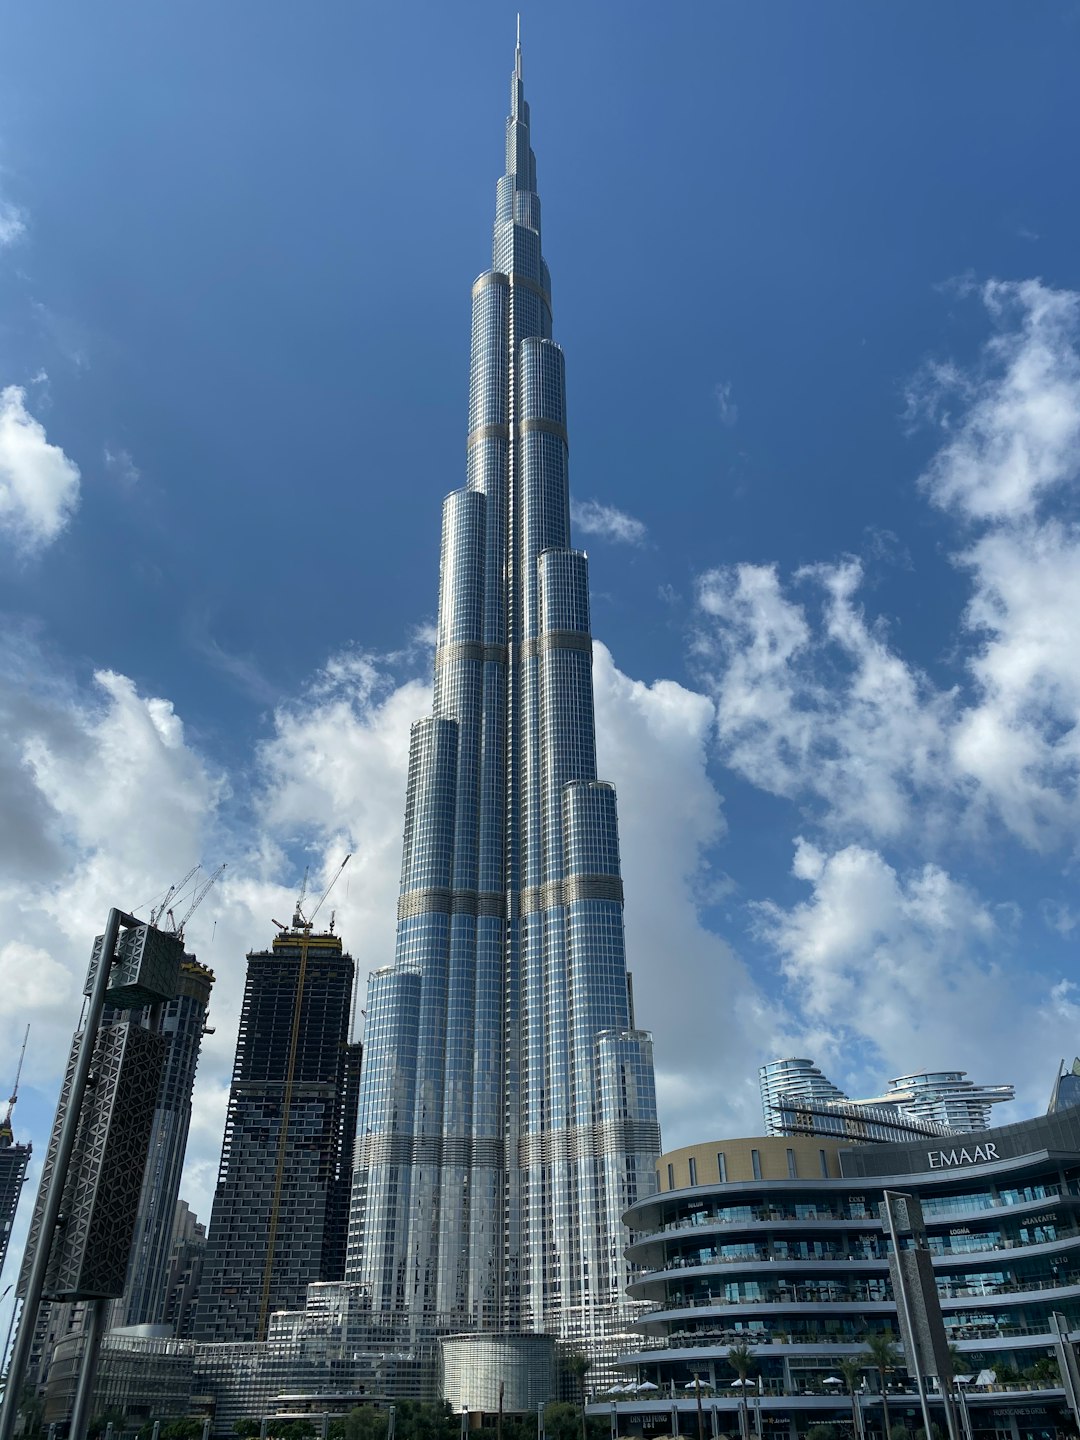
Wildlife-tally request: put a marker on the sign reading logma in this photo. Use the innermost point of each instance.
(945, 1159)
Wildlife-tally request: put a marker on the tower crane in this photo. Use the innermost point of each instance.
(197, 899)
(6, 1124)
(298, 911)
(326, 892)
(302, 921)
(158, 914)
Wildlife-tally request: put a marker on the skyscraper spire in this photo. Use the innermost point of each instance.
(508, 1115)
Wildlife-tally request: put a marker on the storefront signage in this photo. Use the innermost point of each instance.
(945, 1159)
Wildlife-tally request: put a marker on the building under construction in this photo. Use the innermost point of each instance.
(280, 1208)
(13, 1161)
(182, 1022)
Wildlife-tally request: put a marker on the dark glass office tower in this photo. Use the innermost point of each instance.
(508, 1115)
(182, 1022)
(281, 1205)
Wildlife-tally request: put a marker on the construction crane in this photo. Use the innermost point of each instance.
(157, 915)
(305, 922)
(197, 899)
(6, 1124)
(298, 908)
(333, 882)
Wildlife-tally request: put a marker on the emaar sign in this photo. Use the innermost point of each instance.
(946, 1159)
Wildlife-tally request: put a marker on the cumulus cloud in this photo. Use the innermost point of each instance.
(1017, 432)
(812, 703)
(870, 945)
(817, 704)
(607, 523)
(39, 485)
(883, 960)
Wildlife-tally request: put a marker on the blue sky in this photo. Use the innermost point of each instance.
(815, 270)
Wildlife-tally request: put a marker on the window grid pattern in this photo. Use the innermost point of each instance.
(279, 1217)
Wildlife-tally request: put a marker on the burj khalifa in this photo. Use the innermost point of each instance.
(507, 1109)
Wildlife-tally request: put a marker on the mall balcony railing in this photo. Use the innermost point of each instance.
(768, 1253)
(710, 1339)
(944, 1206)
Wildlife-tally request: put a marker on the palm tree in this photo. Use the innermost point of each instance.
(882, 1355)
(851, 1370)
(741, 1359)
(579, 1366)
(961, 1365)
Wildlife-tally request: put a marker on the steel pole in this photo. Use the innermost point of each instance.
(84, 1388)
(53, 1194)
(1066, 1358)
(965, 1416)
(904, 1303)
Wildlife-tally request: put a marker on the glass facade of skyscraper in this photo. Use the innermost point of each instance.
(507, 1114)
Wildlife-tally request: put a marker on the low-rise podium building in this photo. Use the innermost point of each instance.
(778, 1242)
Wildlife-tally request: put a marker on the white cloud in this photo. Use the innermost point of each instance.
(1059, 916)
(39, 485)
(816, 703)
(1017, 435)
(607, 523)
(726, 409)
(812, 702)
(884, 960)
(12, 224)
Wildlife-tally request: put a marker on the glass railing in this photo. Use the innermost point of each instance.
(932, 1206)
(990, 1241)
(745, 1214)
(694, 1262)
(793, 1295)
(982, 1200)
(706, 1339)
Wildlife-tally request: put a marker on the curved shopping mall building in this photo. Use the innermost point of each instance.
(777, 1241)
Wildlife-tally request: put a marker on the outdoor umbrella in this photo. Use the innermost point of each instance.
(738, 1384)
(832, 1380)
(644, 1386)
